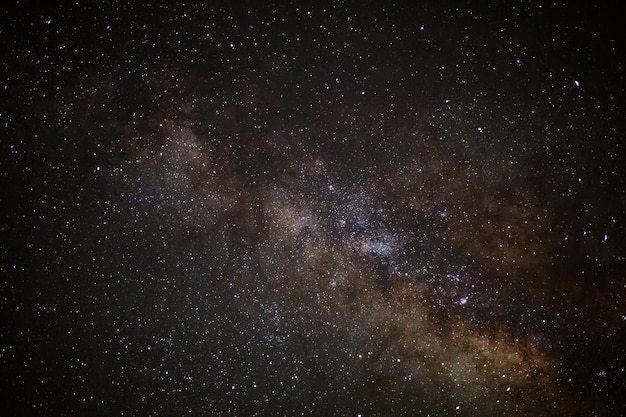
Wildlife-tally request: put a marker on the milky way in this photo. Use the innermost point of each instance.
(313, 211)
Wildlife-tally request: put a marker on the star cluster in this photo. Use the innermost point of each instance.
(289, 210)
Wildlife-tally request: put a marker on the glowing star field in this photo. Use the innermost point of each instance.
(281, 210)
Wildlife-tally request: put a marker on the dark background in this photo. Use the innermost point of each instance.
(359, 208)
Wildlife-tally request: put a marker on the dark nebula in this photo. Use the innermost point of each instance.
(359, 209)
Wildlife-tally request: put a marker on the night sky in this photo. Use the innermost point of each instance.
(357, 209)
